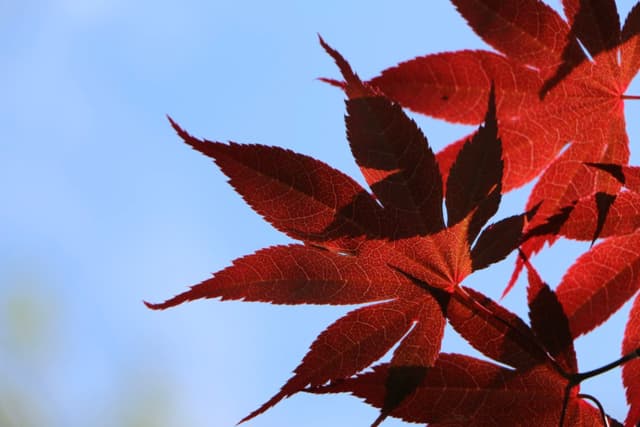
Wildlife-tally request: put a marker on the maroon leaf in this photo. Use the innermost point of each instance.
(595, 23)
(549, 322)
(603, 205)
(355, 341)
(394, 156)
(630, 51)
(398, 164)
(297, 274)
(497, 241)
(394, 249)
(413, 358)
(297, 194)
(494, 331)
(460, 390)
(528, 31)
(440, 260)
(475, 178)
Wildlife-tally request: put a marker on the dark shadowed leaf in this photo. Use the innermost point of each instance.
(497, 241)
(493, 330)
(549, 322)
(475, 179)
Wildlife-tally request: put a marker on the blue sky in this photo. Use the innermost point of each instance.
(103, 206)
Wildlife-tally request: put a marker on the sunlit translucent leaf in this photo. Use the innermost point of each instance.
(600, 282)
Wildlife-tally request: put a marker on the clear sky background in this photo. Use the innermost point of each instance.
(102, 206)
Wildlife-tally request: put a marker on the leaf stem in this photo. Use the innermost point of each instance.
(605, 419)
(630, 96)
(578, 378)
(565, 402)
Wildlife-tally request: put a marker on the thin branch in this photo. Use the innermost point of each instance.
(578, 378)
(565, 403)
(603, 414)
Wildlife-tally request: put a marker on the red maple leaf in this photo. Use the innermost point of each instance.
(540, 389)
(464, 391)
(631, 370)
(549, 93)
(403, 246)
(607, 276)
(391, 247)
(601, 214)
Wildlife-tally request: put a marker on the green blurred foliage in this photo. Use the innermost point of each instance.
(148, 405)
(16, 409)
(31, 319)
(28, 318)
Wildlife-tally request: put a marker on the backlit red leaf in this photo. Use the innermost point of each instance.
(463, 391)
(621, 217)
(298, 274)
(297, 194)
(460, 390)
(360, 249)
(567, 180)
(440, 85)
(415, 355)
(596, 25)
(548, 93)
(631, 369)
(600, 282)
(629, 176)
(528, 31)
(493, 330)
(390, 245)
(441, 260)
(358, 339)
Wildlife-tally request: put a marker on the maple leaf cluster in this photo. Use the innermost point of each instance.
(549, 104)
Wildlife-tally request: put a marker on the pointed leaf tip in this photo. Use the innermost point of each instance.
(491, 109)
(353, 86)
(176, 126)
(194, 293)
(150, 305)
(160, 306)
(614, 170)
(342, 63)
(268, 404)
(491, 117)
(475, 177)
(186, 136)
(333, 82)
